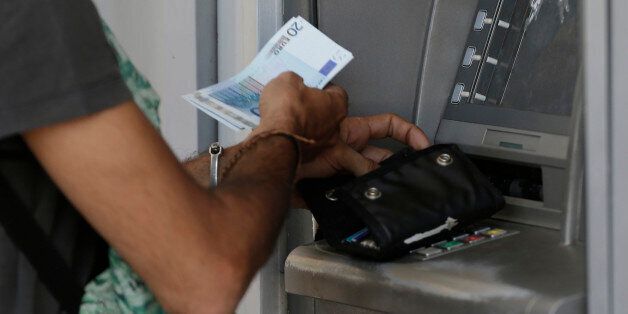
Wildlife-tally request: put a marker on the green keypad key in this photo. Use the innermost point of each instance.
(449, 245)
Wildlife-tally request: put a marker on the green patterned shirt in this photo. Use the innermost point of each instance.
(119, 289)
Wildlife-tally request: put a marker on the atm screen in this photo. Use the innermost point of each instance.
(520, 66)
(537, 63)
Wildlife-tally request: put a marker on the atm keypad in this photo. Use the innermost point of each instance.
(472, 237)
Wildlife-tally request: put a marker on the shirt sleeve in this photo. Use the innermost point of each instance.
(55, 64)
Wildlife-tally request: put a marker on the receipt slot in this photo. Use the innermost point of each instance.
(500, 78)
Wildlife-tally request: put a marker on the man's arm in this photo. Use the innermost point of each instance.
(196, 249)
(189, 244)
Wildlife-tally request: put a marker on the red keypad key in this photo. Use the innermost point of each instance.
(472, 238)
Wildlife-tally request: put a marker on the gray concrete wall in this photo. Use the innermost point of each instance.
(160, 38)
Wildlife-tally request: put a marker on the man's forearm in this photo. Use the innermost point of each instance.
(196, 248)
(257, 192)
(249, 204)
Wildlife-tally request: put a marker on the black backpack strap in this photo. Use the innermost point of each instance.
(28, 236)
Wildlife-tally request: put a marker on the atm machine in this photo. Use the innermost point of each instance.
(501, 79)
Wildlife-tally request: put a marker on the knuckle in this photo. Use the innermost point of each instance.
(393, 117)
(286, 74)
(339, 92)
(338, 89)
(343, 93)
(397, 121)
(291, 76)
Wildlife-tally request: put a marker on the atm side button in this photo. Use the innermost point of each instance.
(494, 232)
(450, 245)
(428, 251)
(481, 230)
(461, 236)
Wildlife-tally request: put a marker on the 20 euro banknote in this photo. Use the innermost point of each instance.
(298, 47)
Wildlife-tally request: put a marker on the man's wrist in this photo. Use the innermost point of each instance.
(272, 141)
(287, 125)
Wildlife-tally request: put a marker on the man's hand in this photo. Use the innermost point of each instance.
(341, 143)
(350, 150)
(290, 106)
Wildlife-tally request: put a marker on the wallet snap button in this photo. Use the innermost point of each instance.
(372, 193)
(444, 160)
(330, 195)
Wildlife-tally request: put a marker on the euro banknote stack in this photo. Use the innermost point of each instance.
(298, 47)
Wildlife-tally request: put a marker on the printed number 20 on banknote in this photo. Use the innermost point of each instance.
(297, 46)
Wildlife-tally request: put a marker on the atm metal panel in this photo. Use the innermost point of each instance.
(387, 39)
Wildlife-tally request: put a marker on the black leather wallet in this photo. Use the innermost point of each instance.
(414, 199)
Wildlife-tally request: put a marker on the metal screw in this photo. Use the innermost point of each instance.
(444, 160)
(372, 193)
(331, 196)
